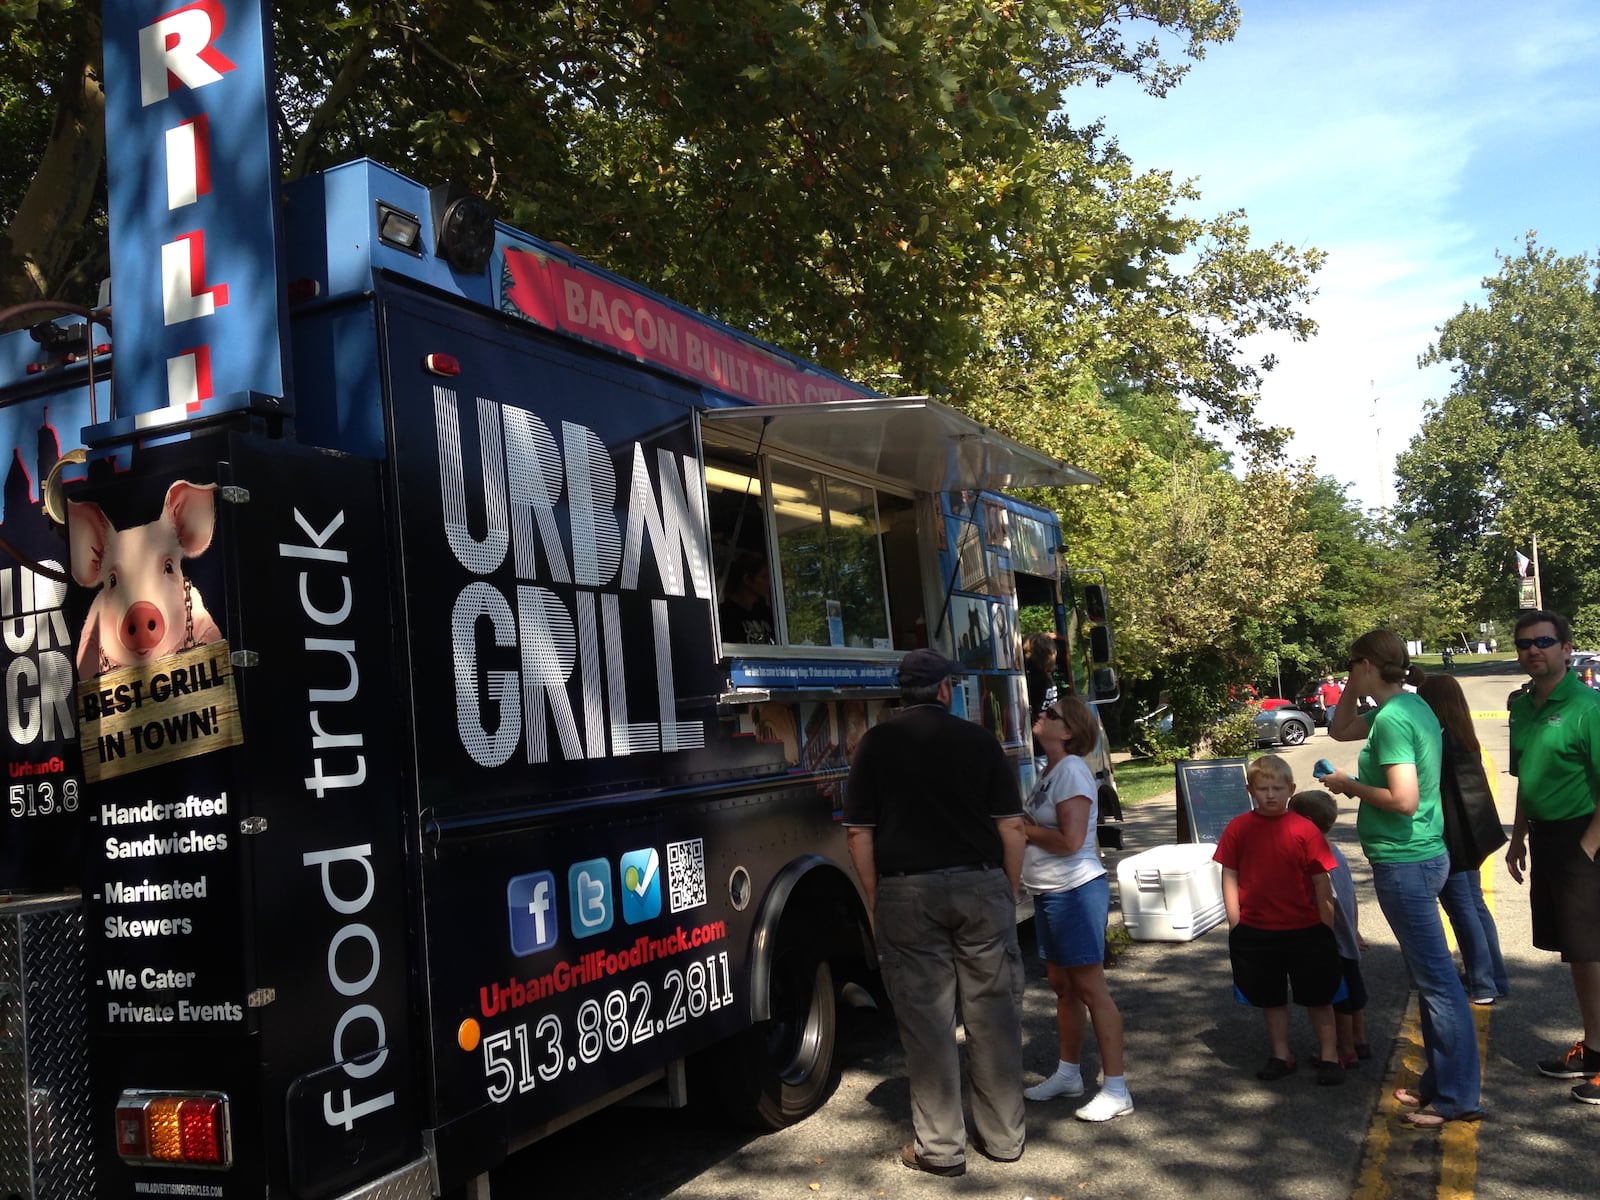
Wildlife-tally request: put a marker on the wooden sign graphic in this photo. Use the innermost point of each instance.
(179, 707)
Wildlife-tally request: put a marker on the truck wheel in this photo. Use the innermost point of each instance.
(781, 1070)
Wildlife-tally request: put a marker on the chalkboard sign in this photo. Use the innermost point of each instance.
(1211, 793)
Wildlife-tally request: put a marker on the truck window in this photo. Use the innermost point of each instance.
(808, 558)
(832, 565)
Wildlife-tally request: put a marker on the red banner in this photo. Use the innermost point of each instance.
(570, 300)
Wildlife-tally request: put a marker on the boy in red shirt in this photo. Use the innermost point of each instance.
(1279, 900)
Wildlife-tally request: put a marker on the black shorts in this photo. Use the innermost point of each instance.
(1267, 962)
(1355, 988)
(1564, 890)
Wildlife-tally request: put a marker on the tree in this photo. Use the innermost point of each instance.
(52, 136)
(1496, 461)
(846, 179)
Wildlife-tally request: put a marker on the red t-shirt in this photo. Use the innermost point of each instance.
(1276, 858)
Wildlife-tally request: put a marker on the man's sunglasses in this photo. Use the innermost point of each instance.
(1543, 643)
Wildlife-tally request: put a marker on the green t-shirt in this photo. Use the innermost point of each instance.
(1402, 730)
(1555, 751)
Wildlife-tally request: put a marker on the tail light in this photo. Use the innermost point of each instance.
(180, 1129)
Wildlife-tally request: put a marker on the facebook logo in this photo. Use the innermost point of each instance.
(589, 895)
(531, 900)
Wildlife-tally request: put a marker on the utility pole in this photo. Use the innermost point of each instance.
(1538, 596)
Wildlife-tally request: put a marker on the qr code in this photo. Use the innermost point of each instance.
(686, 874)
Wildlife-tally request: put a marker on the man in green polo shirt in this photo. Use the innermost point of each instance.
(1555, 755)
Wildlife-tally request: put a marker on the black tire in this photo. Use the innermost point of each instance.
(1293, 732)
(782, 1070)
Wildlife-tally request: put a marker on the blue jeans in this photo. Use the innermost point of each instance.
(1408, 894)
(1476, 935)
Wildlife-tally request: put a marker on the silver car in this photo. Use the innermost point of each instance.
(1285, 725)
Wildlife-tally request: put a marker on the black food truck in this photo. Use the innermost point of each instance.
(431, 666)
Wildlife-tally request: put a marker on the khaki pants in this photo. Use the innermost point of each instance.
(943, 935)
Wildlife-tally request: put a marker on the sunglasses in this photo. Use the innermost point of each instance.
(1543, 643)
(1053, 715)
(1353, 663)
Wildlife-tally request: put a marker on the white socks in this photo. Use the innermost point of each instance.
(1067, 1081)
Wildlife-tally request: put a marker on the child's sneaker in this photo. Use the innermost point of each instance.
(1054, 1088)
(1105, 1106)
(1276, 1068)
(1577, 1063)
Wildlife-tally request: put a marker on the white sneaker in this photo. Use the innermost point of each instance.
(1104, 1107)
(1053, 1089)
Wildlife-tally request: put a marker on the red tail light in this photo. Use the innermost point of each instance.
(174, 1128)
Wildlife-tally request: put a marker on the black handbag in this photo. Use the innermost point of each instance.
(1472, 829)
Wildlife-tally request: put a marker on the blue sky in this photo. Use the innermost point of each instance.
(1411, 140)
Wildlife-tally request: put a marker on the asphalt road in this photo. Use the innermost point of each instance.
(1203, 1126)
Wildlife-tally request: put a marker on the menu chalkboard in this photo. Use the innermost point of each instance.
(1211, 792)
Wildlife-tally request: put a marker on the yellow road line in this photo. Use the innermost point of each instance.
(1380, 1178)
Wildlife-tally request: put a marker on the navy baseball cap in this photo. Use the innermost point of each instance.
(924, 668)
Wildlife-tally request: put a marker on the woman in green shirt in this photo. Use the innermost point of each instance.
(1401, 826)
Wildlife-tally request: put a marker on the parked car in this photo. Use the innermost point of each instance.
(1587, 664)
(1283, 724)
(1286, 725)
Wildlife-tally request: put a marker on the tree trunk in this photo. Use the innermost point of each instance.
(37, 250)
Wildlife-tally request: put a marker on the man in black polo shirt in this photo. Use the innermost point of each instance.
(934, 822)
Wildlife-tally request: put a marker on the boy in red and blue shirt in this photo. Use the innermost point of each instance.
(1280, 907)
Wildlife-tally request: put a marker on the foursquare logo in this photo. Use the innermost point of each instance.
(641, 885)
(531, 905)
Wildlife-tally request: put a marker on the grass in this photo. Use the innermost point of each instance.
(1139, 779)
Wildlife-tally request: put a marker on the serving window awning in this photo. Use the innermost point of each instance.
(916, 442)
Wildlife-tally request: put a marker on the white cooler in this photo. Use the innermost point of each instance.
(1171, 893)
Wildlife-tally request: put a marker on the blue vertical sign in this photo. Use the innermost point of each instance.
(191, 157)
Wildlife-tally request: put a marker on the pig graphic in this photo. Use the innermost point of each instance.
(147, 608)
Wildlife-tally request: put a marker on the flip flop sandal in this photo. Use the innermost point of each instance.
(1432, 1120)
(1409, 1099)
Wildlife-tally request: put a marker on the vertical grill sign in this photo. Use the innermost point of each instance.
(192, 173)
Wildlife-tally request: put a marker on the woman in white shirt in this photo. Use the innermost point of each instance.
(1061, 869)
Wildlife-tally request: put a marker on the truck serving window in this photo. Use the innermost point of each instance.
(808, 558)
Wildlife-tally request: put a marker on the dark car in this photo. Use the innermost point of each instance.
(1309, 701)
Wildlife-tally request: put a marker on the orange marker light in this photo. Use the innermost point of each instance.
(467, 1036)
(161, 1119)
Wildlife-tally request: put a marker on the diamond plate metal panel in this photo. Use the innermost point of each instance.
(414, 1181)
(44, 1088)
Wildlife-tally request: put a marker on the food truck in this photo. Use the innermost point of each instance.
(432, 665)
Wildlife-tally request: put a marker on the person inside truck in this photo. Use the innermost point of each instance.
(746, 611)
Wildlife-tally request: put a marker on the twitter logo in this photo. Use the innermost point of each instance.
(641, 885)
(589, 897)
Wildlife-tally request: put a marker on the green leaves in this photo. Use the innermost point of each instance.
(1505, 457)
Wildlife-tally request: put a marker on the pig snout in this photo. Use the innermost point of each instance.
(143, 627)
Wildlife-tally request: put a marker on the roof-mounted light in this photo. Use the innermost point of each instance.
(399, 229)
